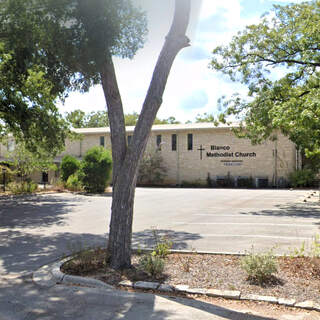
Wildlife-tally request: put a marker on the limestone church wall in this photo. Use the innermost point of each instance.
(192, 152)
(222, 154)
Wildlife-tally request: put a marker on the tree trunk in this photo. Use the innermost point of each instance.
(126, 159)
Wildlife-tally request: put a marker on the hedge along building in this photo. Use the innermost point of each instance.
(193, 152)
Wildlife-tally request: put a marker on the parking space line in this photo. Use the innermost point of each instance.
(253, 236)
(249, 224)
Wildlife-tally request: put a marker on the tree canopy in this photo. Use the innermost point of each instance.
(98, 119)
(28, 92)
(278, 59)
(47, 49)
(74, 42)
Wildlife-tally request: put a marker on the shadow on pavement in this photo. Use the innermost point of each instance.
(21, 299)
(25, 252)
(310, 210)
(34, 210)
(146, 238)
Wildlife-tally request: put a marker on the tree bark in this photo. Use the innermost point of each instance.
(126, 159)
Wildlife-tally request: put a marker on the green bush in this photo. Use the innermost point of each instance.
(9, 174)
(69, 166)
(259, 267)
(73, 183)
(22, 187)
(152, 265)
(96, 169)
(302, 178)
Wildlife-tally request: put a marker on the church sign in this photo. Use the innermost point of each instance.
(225, 152)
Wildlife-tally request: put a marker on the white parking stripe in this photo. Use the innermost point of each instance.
(249, 224)
(253, 236)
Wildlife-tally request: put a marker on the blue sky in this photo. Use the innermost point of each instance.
(192, 87)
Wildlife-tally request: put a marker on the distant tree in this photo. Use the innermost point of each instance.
(170, 120)
(131, 119)
(94, 119)
(77, 118)
(97, 119)
(279, 60)
(205, 117)
(26, 162)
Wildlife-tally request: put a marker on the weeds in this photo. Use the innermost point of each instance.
(152, 265)
(313, 250)
(162, 245)
(260, 267)
(22, 187)
(84, 259)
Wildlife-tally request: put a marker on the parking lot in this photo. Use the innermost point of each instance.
(40, 228)
(230, 220)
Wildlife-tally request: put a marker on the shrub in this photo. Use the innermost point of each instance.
(259, 267)
(302, 178)
(152, 265)
(69, 166)
(73, 183)
(96, 169)
(22, 187)
(162, 245)
(151, 170)
(8, 175)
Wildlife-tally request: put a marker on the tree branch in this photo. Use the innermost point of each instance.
(116, 116)
(175, 41)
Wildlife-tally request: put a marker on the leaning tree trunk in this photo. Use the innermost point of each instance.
(126, 159)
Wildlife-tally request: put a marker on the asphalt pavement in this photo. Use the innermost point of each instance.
(36, 230)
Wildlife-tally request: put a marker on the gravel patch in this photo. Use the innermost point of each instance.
(297, 278)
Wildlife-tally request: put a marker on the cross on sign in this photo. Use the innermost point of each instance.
(201, 149)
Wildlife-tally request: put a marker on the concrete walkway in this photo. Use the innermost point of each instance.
(21, 299)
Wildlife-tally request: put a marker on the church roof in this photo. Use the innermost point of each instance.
(162, 127)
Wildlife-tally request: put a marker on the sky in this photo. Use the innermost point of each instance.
(193, 88)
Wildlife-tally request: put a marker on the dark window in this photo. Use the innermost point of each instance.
(159, 141)
(102, 141)
(190, 141)
(45, 177)
(129, 139)
(174, 142)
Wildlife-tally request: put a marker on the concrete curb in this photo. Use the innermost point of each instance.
(50, 275)
(226, 294)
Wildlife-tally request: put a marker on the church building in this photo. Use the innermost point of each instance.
(201, 154)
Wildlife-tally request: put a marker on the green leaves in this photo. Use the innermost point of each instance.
(279, 61)
(50, 47)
